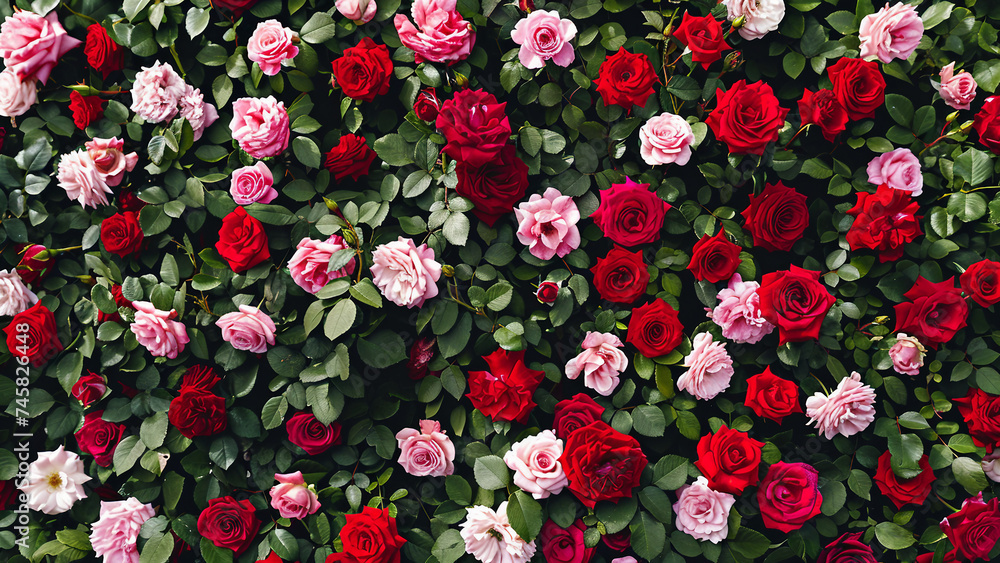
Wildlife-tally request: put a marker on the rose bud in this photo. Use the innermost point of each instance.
(547, 292)
(526, 6)
(35, 264)
(427, 105)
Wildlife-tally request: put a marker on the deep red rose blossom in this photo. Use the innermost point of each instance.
(574, 413)
(236, 6)
(421, 354)
(859, 86)
(904, 491)
(99, 437)
(32, 268)
(747, 117)
(103, 54)
(987, 124)
(495, 187)
(547, 292)
(621, 276)
(934, 313)
(351, 157)
(626, 79)
(89, 388)
(307, 432)
(796, 302)
(630, 214)
(776, 217)
(655, 329)
(475, 127)
(86, 109)
(975, 528)
(981, 412)
(772, 397)
(505, 391)
(198, 412)
(704, 36)
(601, 463)
(729, 460)
(822, 108)
(242, 241)
(789, 496)
(363, 72)
(564, 545)
(848, 548)
(229, 523)
(980, 281)
(121, 234)
(884, 221)
(427, 105)
(33, 334)
(715, 258)
(369, 537)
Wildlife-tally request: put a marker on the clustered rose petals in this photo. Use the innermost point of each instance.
(848, 547)
(760, 17)
(714, 258)
(270, 45)
(78, 175)
(729, 460)
(600, 362)
(626, 79)
(789, 496)
(738, 312)
(474, 125)
(41, 341)
(980, 281)
(157, 331)
(350, 157)
(110, 159)
(565, 545)
(900, 491)
(703, 36)
(859, 86)
(103, 54)
(655, 329)
(974, 529)
(310, 265)
(16, 95)
(536, 466)
(796, 302)
(229, 524)
(666, 139)
(314, 437)
(847, 410)
(157, 92)
(86, 109)
(426, 452)
(958, 90)
(54, 481)
(490, 538)
(32, 45)
(260, 126)
(196, 411)
(574, 413)
(884, 221)
(248, 329)
(621, 276)
(822, 108)
(114, 534)
(899, 169)
(543, 35)
(505, 391)
(601, 463)
(710, 368)
(99, 437)
(405, 273)
(703, 513)
(369, 536)
(547, 224)
(292, 497)
(194, 109)
(907, 354)
(242, 241)
(987, 124)
(363, 72)
(934, 312)
(495, 187)
(89, 388)
(981, 412)
(630, 214)
(252, 184)
(772, 397)
(443, 34)
(891, 33)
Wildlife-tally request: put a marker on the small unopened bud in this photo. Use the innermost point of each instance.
(966, 127)
(881, 320)
(526, 6)
(89, 280)
(295, 39)
(738, 22)
(668, 30)
(733, 60)
(461, 80)
(349, 237)
(951, 116)
(448, 271)
(331, 205)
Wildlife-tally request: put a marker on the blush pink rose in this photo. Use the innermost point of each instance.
(15, 297)
(990, 466)
(358, 11)
(907, 354)
(703, 513)
(78, 175)
(194, 109)
(891, 33)
(543, 35)
(760, 17)
(31, 45)
(846, 411)
(156, 93)
(16, 95)
(110, 160)
(490, 538)
(270, 45)
(710, 368)
(405, 273)
(260, 126)
(252, 184)
(738, 312)
(310, 265)
(248, 329)
(443, 35)
(626, 559)
(601, 362)
(427, 452)
(957, 90)
(547, 224)
(157, 331)
(898, 169)
(666, 139)
(114, 534)
(292, 497)
(536, 466)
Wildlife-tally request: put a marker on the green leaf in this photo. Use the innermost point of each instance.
(936, 13)
(319, 28)
(133, 7)
(648, 420)
(223, 451)
(366, 292)
(456, 228)
(196, 21)
(77, 539)
(284, 544)
(648, 536)
(449, 546)
(394, 150)
(382, 349)
(987, 74)
(969, 473)
(127, 453)
(154, 430)
(894, 536)
(670, 472)
(157, 549)
(340, 319)
(525, 515)
(491, 472)
(975, 167)
(900, 108)
(307, 152)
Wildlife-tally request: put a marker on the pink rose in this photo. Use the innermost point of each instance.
(16, 95)
(665, 139)
(406, 274)
(78, 175)
(891, 33)
(194, 109)
(359, 11)
(629, 559)
(536, 466)
(846, 411)
(114, 535)
(110, 160)
(957, 90)
(907, 354)
(543, 35)
(260, 126)
(310, 264)
(760, 17)
(709, 368)
(15, 297)
(31, 45)
(292, 498)
(248, 329)
(991, 467)
(738, 312)
(898, 169)
(252, 184)
(703, 513)
(157, 331)
(547, 224)
(443, 35)
(427, 452)
(270, 45)
(156, 93)
(601, 362)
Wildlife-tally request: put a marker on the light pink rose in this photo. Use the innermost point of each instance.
(547, 224)
(31, 45)
(156, 93)
(110, 160)
(15, 297)
(891, 33)
(157, 331)
(703, 513)
(359, 11)
(78, 175)
(601, 362)
(536, 466)
(710, 368)
(310, 265)
(738, 312)
(490, 538)
(846, 411)
(114, 535)
(16, 95)
(248, 329)
(543, 35)
(252, 184)
(292, 498)
(55, 481)
(760, 17)
(270, 45)
(899, 169)
(957, 90)
(443, 35)
(194, 109)
(991, 467)
(665, 139)
(907, 354)
(406, 274)
(426, 452)
(260, 126)
(626, 559)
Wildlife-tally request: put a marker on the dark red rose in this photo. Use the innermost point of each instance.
(621, 276)
(421, 354)
(495, 187)
(630, 214)
(99, 437)
(369, 537)
(236, 6)
(121, 234)
(859, 86)
(575, 413)
(525, 5)
(981, 412)
(772, 397)
(35, 266)
(796, 302)
(729, 460)
(197, 412)
(904, 491)
(351, 157)
(86, 109)
(789, 496)
(116, 293)
(314, 437)
(601, 463)
(626, 79)
(777, 217)
(975, 528)
(363, 72)
(127, 201)
(564, 545)
(747, 117)
(822, 108)
(129, 392)
(949, 557)
(655, 329)
(89, 388)
(33, 334)
(242, 241)
(848, 548)
(427, 105)
(704, 36)
(271, 558)
(618, 541)
(980, 281)
(934, 312)
(475, 126)
(715, 258)
(884, 221)
(547, 292)
(8, 493)
(199, 377)
(987, 125)
(505, 391)
(229, 523)
(103, 54)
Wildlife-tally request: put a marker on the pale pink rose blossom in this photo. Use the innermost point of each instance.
(536, 466)
(358, 11)
(260, 126)
(31, 45)
(55, 481)
(406, 274)
(157, 331)
(543, 35)
(194, 109)
(957, 90)
(703, 513)
(898, 169)
(846, 411)
(156, 93)
(666, 139)
(114, 535)
(78, 175)
(907, 354)
(760, 16)
(626, 559)
(110, 160)
(601, 362)
(547, 224)
(891, 33)
(490, 538)
(310, 265)
(292, 497)
(252, 184)
(248, 329)
(738, 312)
(14, 295)
(427, 452)
(710, 368)
(443, 35)
(991, 467)
(270, 45)
(16, 95)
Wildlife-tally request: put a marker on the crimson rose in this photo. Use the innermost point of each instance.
(307, 432)
(772, 397)
(86, 109)
(729, 460)
(777, 217)
(33, 334)
(934, 312)
(601, 463)
(475, 126)
(980, 281)
(714, 258)
(975, 528)
(242, 241)
(547, 292)
(575, 413)
(237, 6)
(103, 54)
(363, 71)
(427, 105)
(229, 523)
(421, 354)
(32, 268)
(197, 412)
(564, 545)
(789, 496)
(981, 412)
(796, 302)
(904, 491)
(495, 187)
(704, 36)
(655, 329)
(884, 221)
(859, 86)
(89, 388)
(747, 117)
(369, 537)
(99, 437)
(621, 276)
(121, 234)
(351, 157)
(120, 301)
(987, 125)
(630, 214)
(626, 79)
(848, 548)
(505, 391)
(822, 108)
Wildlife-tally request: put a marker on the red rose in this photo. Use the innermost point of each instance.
(127, 201)
(229, 523)
(121, 234)
(475, 126)
(655, 329)
(116, 294)
(630, 214)
(747, 117)
(307, 432)
(427, 105)
(103, 54)
(197, 412)
(34, 266)
(601, 463)
(729, 460)
(33, 334)
(236, 6)
(859, 86)
(525, 6)
(495, 187)
(621, 276)
(980, 281)
(99, 437)
(547, 292)
(822, 108)
(242, 241)
(848, 548)
(789, 495)
(564, 545)
(369, 537)
(351, 157)
(981, 412)
(575, 413)
(884, 221)
(714, 258)
(704, 36)
(618, 541)
(796, 302)
(89, 388)
(505, 392)
(987, 125)
(626, 79)
(86, 109)
(8, 493)
(904, 491)
(777, 217)
(975, 528)
(199, 377)
(421, 354)
(772, 397)
(934, 312)
(271, 558)
(363, 72)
